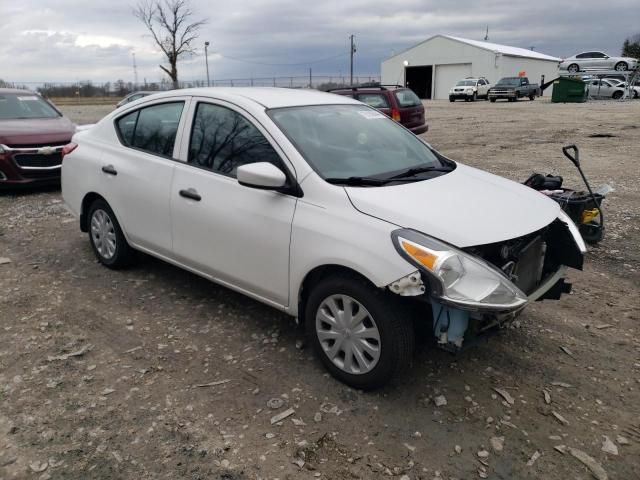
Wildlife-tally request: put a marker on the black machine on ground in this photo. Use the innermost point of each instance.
(584, 208)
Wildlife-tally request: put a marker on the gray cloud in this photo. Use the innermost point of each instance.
(70, 40)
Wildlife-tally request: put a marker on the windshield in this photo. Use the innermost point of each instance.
(406, 98)
(24, 105)
(509, 81)
(465, 83)
(342, 141)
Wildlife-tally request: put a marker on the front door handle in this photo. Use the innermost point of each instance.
(190, 194)
(108, 169)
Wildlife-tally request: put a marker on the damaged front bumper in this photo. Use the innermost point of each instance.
(536, 263)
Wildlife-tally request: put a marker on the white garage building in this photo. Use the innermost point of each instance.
(432, 67)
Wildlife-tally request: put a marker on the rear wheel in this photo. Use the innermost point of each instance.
(532, 97)
(492, 100)
(573, 68)
(109, 243)
(621, 66)
(363, 335)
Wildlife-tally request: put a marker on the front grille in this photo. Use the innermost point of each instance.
(37, 145)
(37, 160)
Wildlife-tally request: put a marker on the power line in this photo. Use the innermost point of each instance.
(283, 64)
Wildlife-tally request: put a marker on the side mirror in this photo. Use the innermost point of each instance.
(263, 175)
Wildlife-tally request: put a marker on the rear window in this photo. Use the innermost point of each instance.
(375, 100)
(406, 98)
(25, 105)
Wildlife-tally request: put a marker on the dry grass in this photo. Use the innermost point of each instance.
(85, 100)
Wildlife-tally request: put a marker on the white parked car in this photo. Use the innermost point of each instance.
(635, 90)
(470, 89)
(322, 207)
(605, 89)
(597, 61)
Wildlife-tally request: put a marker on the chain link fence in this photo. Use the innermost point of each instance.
(119, 88)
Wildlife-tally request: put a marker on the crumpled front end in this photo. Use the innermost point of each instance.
(533, 265)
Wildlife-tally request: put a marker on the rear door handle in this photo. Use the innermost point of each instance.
(191, 194)
(108, 169)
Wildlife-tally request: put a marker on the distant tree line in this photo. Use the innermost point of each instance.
(631, 47)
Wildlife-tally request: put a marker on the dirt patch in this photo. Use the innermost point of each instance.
(129, 406)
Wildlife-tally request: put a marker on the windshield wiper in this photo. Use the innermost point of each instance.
(357, 181)
(410, 172)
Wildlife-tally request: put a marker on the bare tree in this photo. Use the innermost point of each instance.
(173, 29)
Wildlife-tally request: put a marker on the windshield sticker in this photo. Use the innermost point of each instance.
(370, 114)
(25, 99)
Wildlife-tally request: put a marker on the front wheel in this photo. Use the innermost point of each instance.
(573, 68)
(621, 67)
(474, 97)
(363, 335)
(617, 95)
(532, 97)
(492, 100)
(452, 99)
(109, 243)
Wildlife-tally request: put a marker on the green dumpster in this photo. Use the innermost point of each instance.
(569, 90)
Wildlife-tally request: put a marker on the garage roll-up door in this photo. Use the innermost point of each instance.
(447, 76)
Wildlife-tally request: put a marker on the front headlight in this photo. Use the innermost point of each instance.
(457, 277)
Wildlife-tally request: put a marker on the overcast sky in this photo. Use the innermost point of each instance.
(71, 40)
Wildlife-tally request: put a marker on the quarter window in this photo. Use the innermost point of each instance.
(222, 140)
(374, 100)
(152, 129)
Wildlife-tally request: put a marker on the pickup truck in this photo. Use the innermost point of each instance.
(513, 88)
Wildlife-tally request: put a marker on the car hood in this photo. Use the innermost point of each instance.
(36, 131)
(465, 207)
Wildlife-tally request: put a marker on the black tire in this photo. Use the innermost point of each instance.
(392, 318)
(621, 67)
(492, 100)
(123, 254)
(573, 68)
(512, 99)
(474, 97)
(451, 99)
(617, 95)
(532, 97)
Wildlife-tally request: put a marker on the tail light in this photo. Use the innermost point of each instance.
(67, 149)
(395, 114)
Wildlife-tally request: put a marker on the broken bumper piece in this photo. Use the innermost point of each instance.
(456, 329)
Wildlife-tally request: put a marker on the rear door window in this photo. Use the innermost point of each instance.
(375, 100)
(152, 129)
(406, 98)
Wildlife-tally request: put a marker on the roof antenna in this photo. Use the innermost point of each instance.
(486, 35)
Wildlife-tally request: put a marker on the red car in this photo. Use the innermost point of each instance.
(395, 101)
(32, 135)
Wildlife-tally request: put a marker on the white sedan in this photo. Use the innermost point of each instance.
(320, 206)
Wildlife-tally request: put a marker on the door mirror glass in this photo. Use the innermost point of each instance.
(262, 175)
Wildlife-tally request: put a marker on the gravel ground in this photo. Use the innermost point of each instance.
(155, 373)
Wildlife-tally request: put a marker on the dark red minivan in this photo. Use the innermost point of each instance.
(395, 101)
(32, 135)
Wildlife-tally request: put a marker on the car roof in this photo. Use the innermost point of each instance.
(16, 90)
(268, 97)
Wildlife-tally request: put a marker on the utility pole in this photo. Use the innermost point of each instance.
(310, 79)
(351, 52)
(206, 61)
(486, 35)
(135, 71)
